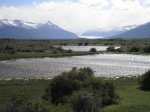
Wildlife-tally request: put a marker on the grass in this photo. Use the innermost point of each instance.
(6, 56)
(131, 98)
(35, 87)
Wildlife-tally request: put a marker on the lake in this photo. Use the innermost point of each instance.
(86, 48)
(106, 65)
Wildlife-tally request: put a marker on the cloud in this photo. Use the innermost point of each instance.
(146, 1)
(82, 15)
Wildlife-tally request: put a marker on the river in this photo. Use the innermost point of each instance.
(104, 65)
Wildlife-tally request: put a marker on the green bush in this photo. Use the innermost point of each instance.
(63, 87)
(146, 49)
(111, 48)
(69, 51)
(93, 50)
(80, 44)
(39, 50)
(134, 49)
(144, 81)
(20, 102)
(11, 51)
(86, 43)
(83, 101)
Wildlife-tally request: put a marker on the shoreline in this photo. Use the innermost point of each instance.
(25, 55)
(42, 55)
(43, 78)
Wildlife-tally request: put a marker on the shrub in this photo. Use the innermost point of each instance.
(55, 52)
(11, 51)
(134, 49)
(69, 51)
(93, 50)
(86, 43)
(8, 48)
(103, 89)
(146, 49)
(111, 48)
(80, 44)
(71, 84)
(20, 102)
(144, 81)
(83, 101)
(63, 85)
(119, 50)
(39, 50)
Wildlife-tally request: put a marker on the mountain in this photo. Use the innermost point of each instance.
(108, 33)
(19, 29)
(142, 31)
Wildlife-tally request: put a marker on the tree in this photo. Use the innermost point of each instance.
(69, 51)
(111, 48)
(93, 50)
(134, 49)
(64, 86)
(144, 81)
(146, 49)
(84, 101)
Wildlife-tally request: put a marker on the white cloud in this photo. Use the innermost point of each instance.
(146, 1)
(83, 15)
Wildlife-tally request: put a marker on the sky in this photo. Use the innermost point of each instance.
(78, 16)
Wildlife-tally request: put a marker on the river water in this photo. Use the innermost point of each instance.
(86, 48)
(104, 65)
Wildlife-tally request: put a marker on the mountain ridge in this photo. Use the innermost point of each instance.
(20, 29)
(110, 32)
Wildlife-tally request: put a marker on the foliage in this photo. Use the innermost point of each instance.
(144, 81)
(69, 51)
(111, 48)
(134, 49)
(20, 102)
(93, 50)
(65, 86)
(146, 49)
(86, 43)
(80, 44)
(126, 87)
(84, 101)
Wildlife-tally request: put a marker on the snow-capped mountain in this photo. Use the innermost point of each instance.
(18, 23)
(108, 32)
(28, 30)
(142, 31)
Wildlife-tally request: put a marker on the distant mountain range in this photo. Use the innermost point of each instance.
(110, 32)
(140, 32)
(19, 29)
(129, 32)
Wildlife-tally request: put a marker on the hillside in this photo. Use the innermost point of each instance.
(19, 29)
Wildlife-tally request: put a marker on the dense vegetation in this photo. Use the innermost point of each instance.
(144, 81)
(13, 49)
(132, 99)
(80, 88)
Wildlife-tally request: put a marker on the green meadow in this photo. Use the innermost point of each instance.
(132, 99)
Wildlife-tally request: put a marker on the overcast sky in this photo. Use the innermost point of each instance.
(78, 15)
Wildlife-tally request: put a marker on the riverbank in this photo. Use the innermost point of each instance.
(22, 55)
(132, 99)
